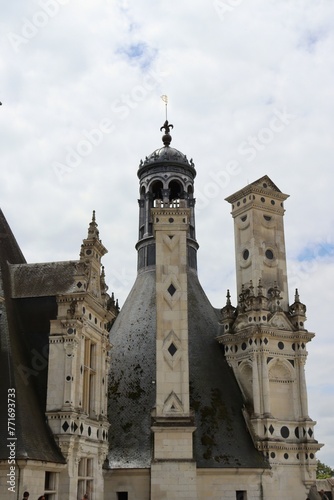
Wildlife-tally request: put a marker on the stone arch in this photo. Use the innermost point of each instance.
(281, 389)
(246, 380)
(176, 190)
(156, 189)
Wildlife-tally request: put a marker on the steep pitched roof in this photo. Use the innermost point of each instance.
(131, 390)
(8, 244)
(43, 279)
(221, 438)
(34, 438)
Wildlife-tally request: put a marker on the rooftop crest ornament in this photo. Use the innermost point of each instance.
(166, 138)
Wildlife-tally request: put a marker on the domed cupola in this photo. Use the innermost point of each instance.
(166, 179)
(166, 153)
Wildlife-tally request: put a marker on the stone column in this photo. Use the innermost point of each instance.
(302, 388)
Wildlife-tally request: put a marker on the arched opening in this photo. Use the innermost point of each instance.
(281, 390)
(175, 190)
(246, 380)
(156, 190)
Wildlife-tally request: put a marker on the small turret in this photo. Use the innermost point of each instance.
(91, 252)
(228, 314)
(297, 312)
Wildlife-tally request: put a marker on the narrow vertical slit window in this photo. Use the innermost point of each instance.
(89, 376)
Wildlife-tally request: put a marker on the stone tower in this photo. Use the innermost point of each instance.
(79, 350)
(172, 420)
(207, 403)
(265, 338)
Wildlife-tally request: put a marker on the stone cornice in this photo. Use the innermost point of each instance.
(260, 332)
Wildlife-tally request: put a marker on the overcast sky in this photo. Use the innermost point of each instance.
(250, 87)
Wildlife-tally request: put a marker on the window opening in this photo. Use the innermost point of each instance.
(89, 375)
(122, 495)
(157, 190)
(85, 478)
(175, 191)
(50, 485)
(241, 495)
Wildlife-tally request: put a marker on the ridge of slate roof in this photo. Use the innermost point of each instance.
(42, 279)
(221, 439)
(8, 241)
(34, 439)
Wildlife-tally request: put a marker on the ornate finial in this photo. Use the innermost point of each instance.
(92, 230)
(228, 298)
(166, 126)
(297, 296)
(104, 287)
(166, 138)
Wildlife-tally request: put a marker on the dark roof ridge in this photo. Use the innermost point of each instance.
(10, 249)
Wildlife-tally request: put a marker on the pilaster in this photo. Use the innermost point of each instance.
(172, 420)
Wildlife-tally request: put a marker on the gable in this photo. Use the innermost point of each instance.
(280, 321)
(265, 183)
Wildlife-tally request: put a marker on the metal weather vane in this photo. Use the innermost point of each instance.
(165, 100)
(166, 138)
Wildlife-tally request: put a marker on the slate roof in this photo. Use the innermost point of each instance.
(131, 393)
(43, 279)
(221, 439)
(34, 438)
